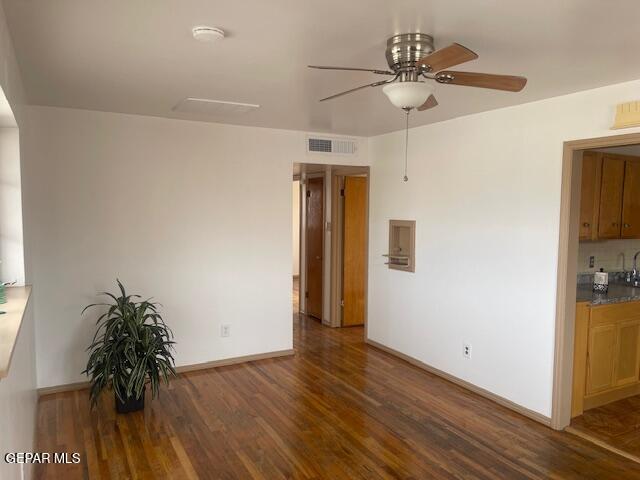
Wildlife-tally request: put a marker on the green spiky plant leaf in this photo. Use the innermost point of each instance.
(132, 347)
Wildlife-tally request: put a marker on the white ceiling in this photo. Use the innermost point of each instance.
(139, 56)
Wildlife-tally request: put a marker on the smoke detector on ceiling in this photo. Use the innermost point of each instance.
(203, 33)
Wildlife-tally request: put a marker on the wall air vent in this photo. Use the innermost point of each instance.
(205, 106)
(331, 145)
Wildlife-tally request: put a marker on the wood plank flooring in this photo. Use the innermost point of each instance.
(617, 424)
(338, 409)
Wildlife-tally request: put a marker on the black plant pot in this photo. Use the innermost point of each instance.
(131, 404)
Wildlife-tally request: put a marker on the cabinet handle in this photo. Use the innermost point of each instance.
(586, 225)
(626, 225)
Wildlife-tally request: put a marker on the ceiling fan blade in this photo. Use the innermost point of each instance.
(430, 103)
(454, 54)
(483, 80)
(354, 69)
(375, 84)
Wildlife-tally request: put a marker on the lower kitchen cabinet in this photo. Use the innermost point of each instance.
(626, 365)
(606, 354)
(601, 358)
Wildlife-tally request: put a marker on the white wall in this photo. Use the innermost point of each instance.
(295, 228)
(485, 192)
(11, 248)
(197, 215)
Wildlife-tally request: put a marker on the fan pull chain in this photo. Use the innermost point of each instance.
(406, 146)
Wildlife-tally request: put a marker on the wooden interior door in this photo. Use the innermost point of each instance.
(611, 197)
(314, 234)
(354, 250)
(631, 200)
(602, 352)
(590, 195)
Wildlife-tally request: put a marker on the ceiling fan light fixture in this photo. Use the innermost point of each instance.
(408, 95)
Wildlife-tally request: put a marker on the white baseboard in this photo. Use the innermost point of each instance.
(181, 369)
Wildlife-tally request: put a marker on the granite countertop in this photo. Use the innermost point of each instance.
(618, 293)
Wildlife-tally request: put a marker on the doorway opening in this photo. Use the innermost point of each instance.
(295, 241)
(331, 243)
(597, 366)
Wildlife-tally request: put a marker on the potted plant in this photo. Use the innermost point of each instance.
(132, 347)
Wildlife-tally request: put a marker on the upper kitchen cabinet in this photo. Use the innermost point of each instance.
(611, 194)
(590, 196)
(631, 200)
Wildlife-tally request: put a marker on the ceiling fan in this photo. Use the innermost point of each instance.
(412, 57)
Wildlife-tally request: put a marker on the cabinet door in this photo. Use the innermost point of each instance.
(590, 195)
(631, 200)
(627, 363)
(601, 360)
(580, 348)
(611, 197)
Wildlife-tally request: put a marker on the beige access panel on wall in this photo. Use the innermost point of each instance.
(402, 245)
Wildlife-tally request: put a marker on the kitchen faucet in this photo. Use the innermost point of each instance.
(634, 273)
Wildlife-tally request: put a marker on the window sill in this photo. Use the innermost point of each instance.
(10, 323)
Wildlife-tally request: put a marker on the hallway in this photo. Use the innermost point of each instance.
(337, 409)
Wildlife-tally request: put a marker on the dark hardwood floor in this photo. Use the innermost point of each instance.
(338, 409)
(617, 424)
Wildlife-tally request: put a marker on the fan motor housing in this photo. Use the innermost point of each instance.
(406, 49)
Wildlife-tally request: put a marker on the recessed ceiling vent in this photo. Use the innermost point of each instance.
(331, 145)
(215, 108)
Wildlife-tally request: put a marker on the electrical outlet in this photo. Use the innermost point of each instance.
(466, 350)
(225, 330)
(592, 261)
